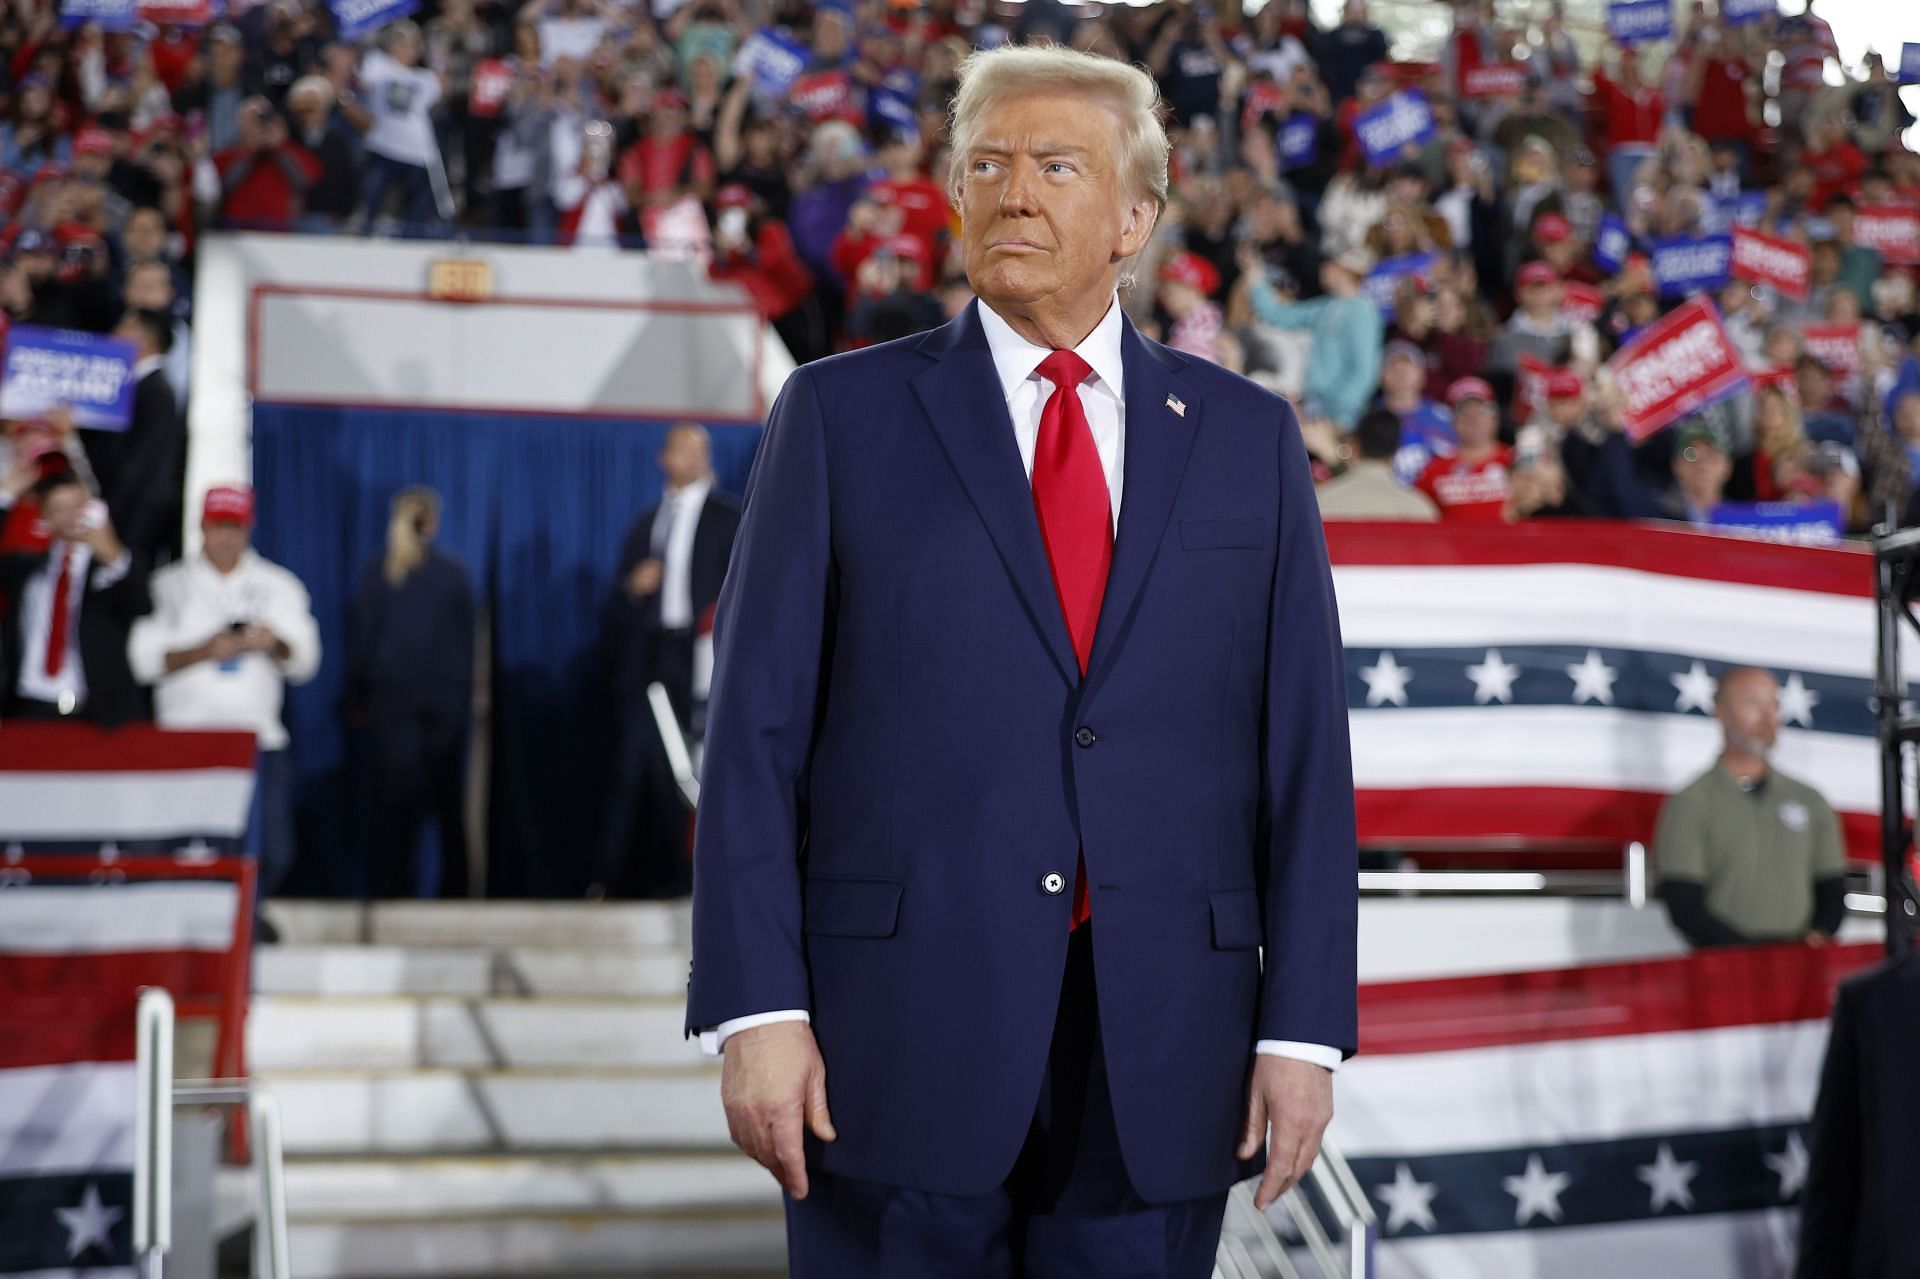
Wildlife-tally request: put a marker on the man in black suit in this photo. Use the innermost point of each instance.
(1863, 1178)
(670, 573)
(63, 652)
(142, 470)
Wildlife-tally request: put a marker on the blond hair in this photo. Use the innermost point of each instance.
(413, 509)
(990, 75)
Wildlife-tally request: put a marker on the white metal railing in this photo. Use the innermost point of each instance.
(158, 1095)
(1337, 1232)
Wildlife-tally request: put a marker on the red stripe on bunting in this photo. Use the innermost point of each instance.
(1540, 813)
(81, 748)
(1743, 986)
(1646, 548)
(59, 1008)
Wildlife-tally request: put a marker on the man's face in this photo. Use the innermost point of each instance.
(150, 287)
(227, 57)
(1748, 709)
(1403, 377)
(1539, 299)
(684, 457)
(1564, 410)
(1815, 387)
(1046, 214)
(145, 236)
(65, 510)
(1702, 470)
(1476, 423)
(223, 540)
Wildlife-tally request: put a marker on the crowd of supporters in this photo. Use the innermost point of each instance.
(1462, 283)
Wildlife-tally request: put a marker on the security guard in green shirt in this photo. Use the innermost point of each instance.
(1747, 854)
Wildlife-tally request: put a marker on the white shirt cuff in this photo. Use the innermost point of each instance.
(712, 1041)
(1318, 1054)
(112, 573)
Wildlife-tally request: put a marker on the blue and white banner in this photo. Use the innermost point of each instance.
(1611, 243)
(892, 109)
(774, 60)
(1383, 282)
(355, 18)
(1910, 64)
(1299, 142)
(108, 15)
(1403, 120)
(1798, 523)
(1686, 265)
(1632, 20)
(1739, 12)
(47, 368)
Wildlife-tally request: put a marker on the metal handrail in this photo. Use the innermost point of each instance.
(1353, 1217)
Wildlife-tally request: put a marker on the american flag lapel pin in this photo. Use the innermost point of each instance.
(1177, 405)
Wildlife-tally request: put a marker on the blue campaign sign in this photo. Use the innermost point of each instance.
(774, 60)
(1910, 64)
(1801, 523)
(108, 15)
(1401, 121)
(354, 18)
(1737, 12)
(1611, 244)
(1384, 280)
(1631, 20)
(1685, 265)
(50, 367)
(1299, 142)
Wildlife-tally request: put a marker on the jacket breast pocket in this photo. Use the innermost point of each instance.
(1236, 920)
(1223, 535)
(851, 907)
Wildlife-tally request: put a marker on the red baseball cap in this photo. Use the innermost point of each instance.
(670, 99)
(93, 140)
(1552, 228)
(227, 504)
(734, 195)
(1565, 384)
(1191, 269)
(907, 246)
(1468, 388)
(1534, 273)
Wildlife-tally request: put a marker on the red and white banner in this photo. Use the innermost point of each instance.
(1678, 365)
(1768, 259)
(1530, 387)
(1581, 303)
(823, 95)
(1782, 380)
(73, 787)
(1579, 659)
(1643, 1118)
(1495, 80)
(491, 80)
(1835, 345)
(1890, 229)
(182, 13)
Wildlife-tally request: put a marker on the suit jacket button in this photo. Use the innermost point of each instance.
(1084, 736)
(1053, 883)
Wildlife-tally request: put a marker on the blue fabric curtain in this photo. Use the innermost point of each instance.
(537, 509)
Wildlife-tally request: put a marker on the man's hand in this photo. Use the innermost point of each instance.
(645, 580)
(104, 541)
(774, 1086)
(1294, 1099)
(223, 646)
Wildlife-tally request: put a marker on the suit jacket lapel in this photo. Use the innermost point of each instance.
(1158, 441)
(961, 395)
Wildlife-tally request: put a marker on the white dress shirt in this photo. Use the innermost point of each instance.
(191, 601)
(1103, 396)
(672, 539)
(68, 689)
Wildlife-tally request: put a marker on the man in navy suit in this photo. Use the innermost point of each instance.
(1024, 901)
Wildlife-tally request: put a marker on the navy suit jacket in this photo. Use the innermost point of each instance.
(900, 749)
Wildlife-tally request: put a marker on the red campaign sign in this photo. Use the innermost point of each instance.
(1676, 366)
(1530, 387)
(1767, 259)
(181, 13)
(1499, 80)
(492, 78)
(1781, 380)
(1838, 347)
(824, 95)
(1581, 303)
(1891, 230)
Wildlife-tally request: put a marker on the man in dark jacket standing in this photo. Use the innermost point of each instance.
(142, 470)
(670, 572)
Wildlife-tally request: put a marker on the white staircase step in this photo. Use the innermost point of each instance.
(562, 925)
(414, 1189)
(298, 1033)
(342, 969)
(711, 1243)
(446, 1111)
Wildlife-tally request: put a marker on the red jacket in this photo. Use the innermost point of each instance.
(268, 192)
(1631, 117)
(773, 272)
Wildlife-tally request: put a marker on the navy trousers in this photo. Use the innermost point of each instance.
(1066, 1210)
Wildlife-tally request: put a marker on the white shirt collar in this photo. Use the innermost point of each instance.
(696, 491)
(147, 364)
(1017, 359)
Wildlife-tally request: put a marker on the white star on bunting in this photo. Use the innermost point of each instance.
(1593, 678)
(1536, 1192)
(88, 1224)
(1670, 1180)
(1386, 681)
(1409, 1201)
(1493, 679)
(1797, 702)
(1790, 1165)
(1696, 689)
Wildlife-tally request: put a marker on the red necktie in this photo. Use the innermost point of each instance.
(57, 625)
(1076, 522)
